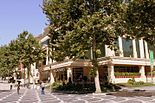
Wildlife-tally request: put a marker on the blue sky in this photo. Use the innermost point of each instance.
(19, 15)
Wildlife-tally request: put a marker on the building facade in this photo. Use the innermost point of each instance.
(130, 59)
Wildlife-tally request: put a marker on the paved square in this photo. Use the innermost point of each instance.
(34, 96)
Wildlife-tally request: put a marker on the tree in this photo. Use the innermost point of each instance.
(140, 19)
(78, 25)
(28, 50)
(8, 61)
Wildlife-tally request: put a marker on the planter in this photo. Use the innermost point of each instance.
(149, 76)
(127, 75)
(138, 76)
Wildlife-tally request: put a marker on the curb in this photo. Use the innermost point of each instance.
(99, 93)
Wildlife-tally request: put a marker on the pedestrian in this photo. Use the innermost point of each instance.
(18, 86)
(11, 85)
(42, 87)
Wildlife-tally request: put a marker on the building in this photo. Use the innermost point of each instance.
(131, 59)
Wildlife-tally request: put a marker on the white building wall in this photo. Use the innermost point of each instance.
(141, 47)
(35, 74)
(125, 80)
(120, 46)
(47, 60)
(146, 50)
(134, 48)
(108, 51)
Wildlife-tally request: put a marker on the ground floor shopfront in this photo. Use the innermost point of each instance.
(114, 69)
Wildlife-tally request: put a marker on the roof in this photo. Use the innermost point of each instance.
(44, 34)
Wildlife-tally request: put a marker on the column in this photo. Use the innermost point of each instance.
(46, 55)
(146, 50)
(108, 51)
(111, 75)
(52, 77)
(120, 46)
(142, 73)
(69, 74)
(134, 48)
(141, 48)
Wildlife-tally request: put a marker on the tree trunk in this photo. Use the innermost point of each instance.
(32, 79)
(41, 72)
(24, 77)
(95, 66)
(28, 75)
(97, 82)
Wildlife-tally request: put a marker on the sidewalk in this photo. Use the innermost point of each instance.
(146, 88)
(4, 86)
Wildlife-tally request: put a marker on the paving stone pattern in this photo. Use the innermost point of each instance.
(34, 96)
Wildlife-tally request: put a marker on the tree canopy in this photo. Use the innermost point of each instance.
(78, 25)
(28, 48)
(140, 19)
(24, 50)
(7, 63)
(74, 24)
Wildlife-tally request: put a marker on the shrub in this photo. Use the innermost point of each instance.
(73, 88)
(56, 85)
(127, 74)
(131, 81)
(139, 83)
(82, 88)
(149, 73)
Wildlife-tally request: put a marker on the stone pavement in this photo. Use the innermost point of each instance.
(4, 85)
(34, 96)
(147, 88)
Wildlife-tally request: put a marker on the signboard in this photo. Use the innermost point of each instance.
(151, 57)
(151, 64)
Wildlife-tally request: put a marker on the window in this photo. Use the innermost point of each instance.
(116, 48)
(127, 47)
(77, 72)
(137, 48)
(45, 42)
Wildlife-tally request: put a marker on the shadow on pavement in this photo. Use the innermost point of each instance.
(4, 91)
(136, 92)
